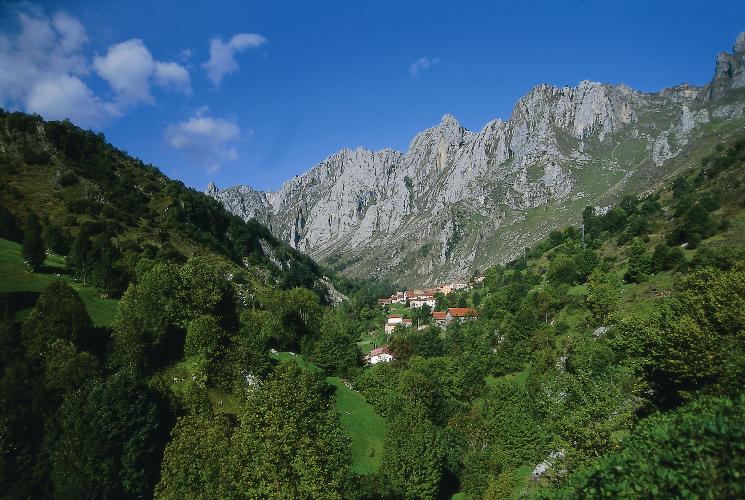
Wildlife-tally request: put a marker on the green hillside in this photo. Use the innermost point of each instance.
(99, 204)
(366, 428)
(20, 286)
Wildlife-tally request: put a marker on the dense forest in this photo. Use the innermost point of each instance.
(607, 361)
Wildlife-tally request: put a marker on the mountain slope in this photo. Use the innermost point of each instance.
(458, 201)
(109, 209)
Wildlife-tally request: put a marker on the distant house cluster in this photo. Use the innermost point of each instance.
(426, 296)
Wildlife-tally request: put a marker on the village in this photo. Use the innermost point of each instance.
(420, 309)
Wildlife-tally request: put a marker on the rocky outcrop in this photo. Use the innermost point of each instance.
(457, 200)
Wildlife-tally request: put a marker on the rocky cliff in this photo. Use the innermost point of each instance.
(457, 201)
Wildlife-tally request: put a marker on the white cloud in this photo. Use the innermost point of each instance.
(130, 70)
(422, 64)
(205, 140)
(72, 32)
(222, 55)
(43, 69)
(68, 97)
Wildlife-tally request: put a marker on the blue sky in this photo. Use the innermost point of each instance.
(257, 92)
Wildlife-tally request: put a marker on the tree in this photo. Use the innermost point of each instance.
(693, 452)
(208, 291)
(193, 461)
(80, 260)
(33, 250)
(414, 455)
(65, 368)
(109, 441)
(336, 350)
(563, 269)
(150, 321)
(59, 314)
(639, 262)
(204, 337)
(294, 318)
(602, 297)
(290, 443)
(665, 258)
(693, 341)
(58, 240)
(8, 225)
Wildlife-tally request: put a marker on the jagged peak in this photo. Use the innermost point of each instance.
(740, 43)
(449, 120)
(211, 189)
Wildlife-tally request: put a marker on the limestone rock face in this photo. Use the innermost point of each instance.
(457, 200)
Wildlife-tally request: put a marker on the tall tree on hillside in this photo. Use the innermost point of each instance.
(289, 443)
(414, 455)
(33, 250)
(59, 314)
(639, 262)
(109, 440)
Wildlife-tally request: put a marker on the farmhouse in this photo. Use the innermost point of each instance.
(379, 355)
(440, 318)
(461, 313)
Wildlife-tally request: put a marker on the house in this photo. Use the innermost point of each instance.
(395, 320)
(400, 297)
(384, 302)
(440, 318)
(379, 355)
(422, 300)
(461, 313)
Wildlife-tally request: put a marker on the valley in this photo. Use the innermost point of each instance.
(552, 307)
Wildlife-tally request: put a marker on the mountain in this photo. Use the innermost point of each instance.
(458, 201)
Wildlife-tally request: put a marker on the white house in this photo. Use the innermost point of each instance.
(379, 355)
(422, 300)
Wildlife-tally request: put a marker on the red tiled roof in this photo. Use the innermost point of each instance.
(439, 315)
(459, 312)
(395, 316)
(380, 350)
(406, 321)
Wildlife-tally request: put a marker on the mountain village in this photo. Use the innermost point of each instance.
(402, 303)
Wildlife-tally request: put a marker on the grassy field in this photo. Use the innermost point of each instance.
(22, 286)
(368, 342)
(518, 377)
(366, 428)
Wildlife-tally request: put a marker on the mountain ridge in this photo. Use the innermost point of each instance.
(427, 214)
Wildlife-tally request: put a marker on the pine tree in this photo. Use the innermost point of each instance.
(33, 250)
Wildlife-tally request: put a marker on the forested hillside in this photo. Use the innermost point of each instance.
(104, 210)
(613, 357)
(130, 304)
(154, 346)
